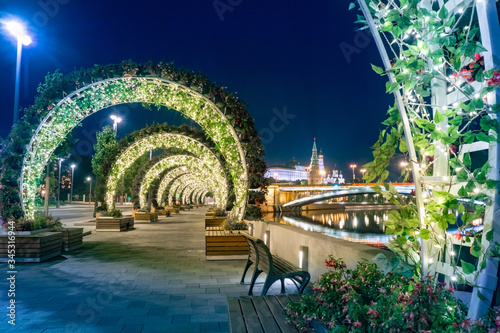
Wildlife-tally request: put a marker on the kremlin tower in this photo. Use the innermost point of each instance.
(314, 175)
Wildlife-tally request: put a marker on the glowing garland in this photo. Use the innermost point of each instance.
(71, 110)
(210, 170)
(188, 192)
(148, 143)
(182, 182)
(169, 178)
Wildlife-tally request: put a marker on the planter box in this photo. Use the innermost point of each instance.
(146, 217)
(209, 215)
(173, 210)
(222, 244)
(162, 212)
(72, 238)
(33, 248)
(114, 223)
(214, 222)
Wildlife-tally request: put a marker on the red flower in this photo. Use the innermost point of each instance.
(477, 56)
(458, 236)
(357, 324)
(495, 80)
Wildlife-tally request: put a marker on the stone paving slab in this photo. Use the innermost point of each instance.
(151, 279)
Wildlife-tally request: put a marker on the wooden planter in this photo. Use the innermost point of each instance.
(172, 210)
(114, 223)
(162, 212)
(222, 244)
(214, 222)
(146, 217)
(72, 238)
(33, 248)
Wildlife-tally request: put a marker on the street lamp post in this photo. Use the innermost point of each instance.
(353, 166)
(72, 180)
(90, 190)
(18, 31)
(363, 171)
(59, 182)
(116, 120)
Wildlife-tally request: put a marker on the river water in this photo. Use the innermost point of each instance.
(362, 224)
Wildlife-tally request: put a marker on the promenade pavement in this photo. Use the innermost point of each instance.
(151, 279)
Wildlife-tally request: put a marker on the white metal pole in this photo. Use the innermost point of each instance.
(407, 131)
(18, 81)
(487, 280)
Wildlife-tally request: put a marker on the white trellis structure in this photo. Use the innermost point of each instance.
(487, 17)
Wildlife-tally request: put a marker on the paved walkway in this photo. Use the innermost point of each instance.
(151, 279)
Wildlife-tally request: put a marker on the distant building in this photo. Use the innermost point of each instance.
(315, 173)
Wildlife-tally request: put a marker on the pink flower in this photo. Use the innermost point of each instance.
(357, 324)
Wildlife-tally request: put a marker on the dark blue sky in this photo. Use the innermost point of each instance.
(276, 55)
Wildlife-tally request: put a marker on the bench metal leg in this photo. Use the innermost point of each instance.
(249, 263)
(282, 285)
(255, 275)
(269, 282)
(305, 281)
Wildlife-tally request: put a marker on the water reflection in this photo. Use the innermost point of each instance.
(364, 226)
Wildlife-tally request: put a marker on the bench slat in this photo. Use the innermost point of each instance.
(277, 311)
(265, 315)
(236, 323)
(251, 319)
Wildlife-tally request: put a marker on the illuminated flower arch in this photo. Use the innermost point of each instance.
(168, 179)
(189, 192)
(152, 142)
(197, 194)
(211, 172)
(64, 101)
(182, 182)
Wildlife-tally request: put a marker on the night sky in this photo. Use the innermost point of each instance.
(285, 56)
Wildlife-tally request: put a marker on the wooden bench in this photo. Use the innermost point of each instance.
(275, 267)
(259, 314)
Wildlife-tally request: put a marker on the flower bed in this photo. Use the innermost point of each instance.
(367, 300)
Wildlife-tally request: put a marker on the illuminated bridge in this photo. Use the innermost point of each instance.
(340, 192)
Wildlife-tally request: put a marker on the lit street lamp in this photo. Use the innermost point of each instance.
(116, 120)
(90, 190)
(18, 30)
(59, 182)
(353, 166)
(363, 171)
(73, 166)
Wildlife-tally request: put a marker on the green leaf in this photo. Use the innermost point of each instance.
(377, 69)
(390, 88)
(394, 262)
(482, 265)
(424, 234)
(462, 175)
(489, 236)
(467, 268)
(461, 208)
(438, 117)
(402, 146)
(481, 296)
(351, 5)
(467, 161)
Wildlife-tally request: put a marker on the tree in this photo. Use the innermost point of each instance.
(106, 142)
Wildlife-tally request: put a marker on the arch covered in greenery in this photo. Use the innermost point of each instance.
(169, 177)
(182, 182)
(210, 170)
(152, 142)
(65, 100)
(189, 192)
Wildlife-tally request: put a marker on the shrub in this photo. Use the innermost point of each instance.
(102, 208)
(113, 213)
(366, 300)
(39, 222)
(220, 212)
(154, 202)
(232, 223)
(137, 205)
(253, 213)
